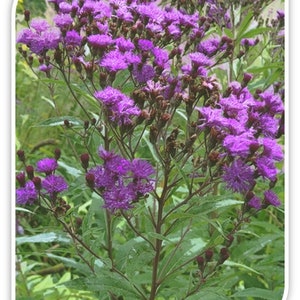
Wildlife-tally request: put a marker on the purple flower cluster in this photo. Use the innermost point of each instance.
(49, 186)
(40, 37)
(121, 182)
(119, 106)
(246, 129)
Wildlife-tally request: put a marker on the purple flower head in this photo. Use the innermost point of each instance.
(65, 7)
(73, 38)
(114, 61)
(161, 57)
(46, 165)
(103, 179)
(199, 59)
(271, 198)
(39, 25)
(174, 31)
(145, 45)
(124, 44)
(98, 9)
(63, 20)
(124, 13)
(132, 58)
(118, 165)
(54, 184)
(239, 177)
(209, 47)
(210, 117)
(266, 168)
(110, 96)
(272, 102)
(141, 169)
(280, 15)
(51, 38)
(150, 12)
(120, 181)
(249, 42)
(119, 197)
(100, 40)
(239, 145)
(255, 202)
(27, 194)
(143, 73)
(268, 125)
(25, 36)
(272, 149)
(120, 106)
(45, 68)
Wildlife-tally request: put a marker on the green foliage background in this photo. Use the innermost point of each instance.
(48, 268)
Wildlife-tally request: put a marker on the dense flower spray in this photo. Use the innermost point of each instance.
(175, 131)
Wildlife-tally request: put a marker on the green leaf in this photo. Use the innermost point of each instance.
(238, 265)
(254, 32)
(43, 238)
(228, 32)
(244, 25)
(72, 263)
(103, 284)
(48, 101)
(159, 237)
(69, 169)
(59, 121)
(24, 210)
(211, 204)
(259, 293)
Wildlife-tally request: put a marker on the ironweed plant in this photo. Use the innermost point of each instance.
(165, 178)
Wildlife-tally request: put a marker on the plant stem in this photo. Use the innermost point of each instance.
(158, 229)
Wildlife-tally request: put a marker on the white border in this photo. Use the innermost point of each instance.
(7, 148)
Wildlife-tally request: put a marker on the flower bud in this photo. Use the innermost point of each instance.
(57, 153)
(30, 172)
(229, 241)
(21, 179)
(86, 125)
(200, 261)
(247, 77)
(93, 121)
(224, 255)
(67, 123)
(208, 254)
(37, 182)
(21, 155)
(85, 160)
(90, 180)
(27, 15)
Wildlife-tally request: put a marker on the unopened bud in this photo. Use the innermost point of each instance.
(30, 172)
(224, 255)
(27, 15)
(21, 179)
(86, 125)
(57, 153)
(67, 123)
(208, 254)
(37, 182)
(21, 155)
(85, 160)
(200, 261)
(229, 241)
(247, 77)
(90, 180)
